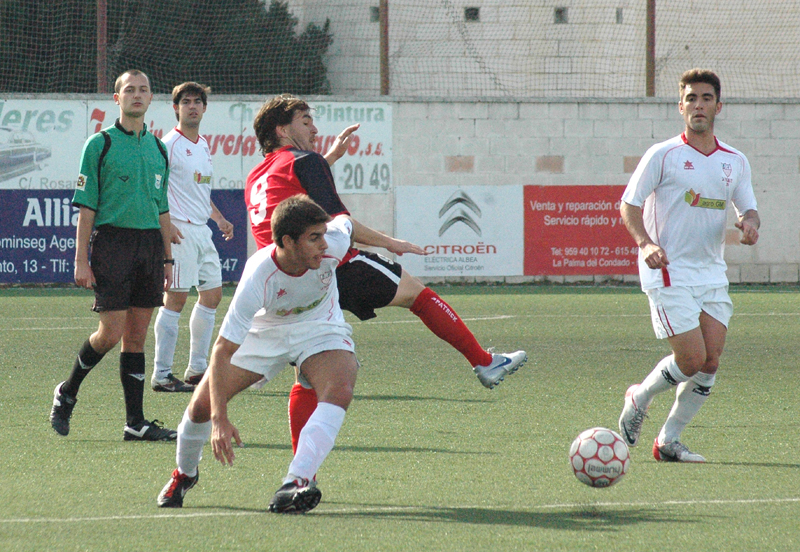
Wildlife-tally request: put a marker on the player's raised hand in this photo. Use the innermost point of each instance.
(340, 145)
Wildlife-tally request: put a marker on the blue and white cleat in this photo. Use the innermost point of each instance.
(501, 366)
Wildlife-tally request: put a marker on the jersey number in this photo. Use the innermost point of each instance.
(258, 201)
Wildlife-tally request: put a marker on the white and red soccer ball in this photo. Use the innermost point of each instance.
(599, 457)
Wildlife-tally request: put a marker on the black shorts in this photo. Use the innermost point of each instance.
(367, 282)
(128, 266)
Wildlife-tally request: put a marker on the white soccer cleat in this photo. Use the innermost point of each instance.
(675, 452)
(501, 365)
(192, 377)
(259, 384)
(631, 419)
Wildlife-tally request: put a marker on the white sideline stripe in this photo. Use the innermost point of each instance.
(509, 316)
(744, 502)
(414, 321)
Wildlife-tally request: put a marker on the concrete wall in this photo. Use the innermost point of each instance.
(517, 48)
(553, 142)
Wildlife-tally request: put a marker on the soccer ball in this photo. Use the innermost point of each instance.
(599, 457)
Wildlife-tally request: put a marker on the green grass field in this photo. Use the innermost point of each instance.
(427, 459)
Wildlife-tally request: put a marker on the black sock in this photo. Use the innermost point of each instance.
(87, 359)
(131, 373)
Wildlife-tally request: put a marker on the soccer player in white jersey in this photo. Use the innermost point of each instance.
(285, 309)
(196, 261)
(675, 207)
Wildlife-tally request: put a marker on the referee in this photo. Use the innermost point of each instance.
(123, 243)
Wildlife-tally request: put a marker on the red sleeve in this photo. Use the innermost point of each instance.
(285, 173)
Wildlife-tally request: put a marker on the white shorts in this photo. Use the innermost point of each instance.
(267, 351)
(196, 259)
(676, 309)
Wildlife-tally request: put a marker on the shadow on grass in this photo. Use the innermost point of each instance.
(352, 448)
(755, 464)
(584, 519)
(400, 398)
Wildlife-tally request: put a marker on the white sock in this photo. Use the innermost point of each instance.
(664, 376)
(166, 330)
(316, 441)
(201, 326)
(191, 438)
(689, 398)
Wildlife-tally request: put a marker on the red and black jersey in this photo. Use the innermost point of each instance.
(284, 173)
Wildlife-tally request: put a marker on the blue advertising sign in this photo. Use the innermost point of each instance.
(37, 236)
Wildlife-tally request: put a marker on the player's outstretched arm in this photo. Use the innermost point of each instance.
(340, 145)
(749, 224)
(367, 236)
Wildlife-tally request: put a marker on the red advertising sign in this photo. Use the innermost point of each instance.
(576, 230)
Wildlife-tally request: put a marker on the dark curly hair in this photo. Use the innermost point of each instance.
(276, 112)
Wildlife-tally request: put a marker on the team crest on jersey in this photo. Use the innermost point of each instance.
(727, 169)
(158, 182)
(687, 166)
(80, 184)
(188, 152)
(281, 292)
(326, 277)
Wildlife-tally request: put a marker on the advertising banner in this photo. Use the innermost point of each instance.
(576, 230)
(467, 231)
(40, 149)
(41, 140)
(37, 236)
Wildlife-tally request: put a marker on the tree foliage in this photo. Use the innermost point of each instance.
(235, 46)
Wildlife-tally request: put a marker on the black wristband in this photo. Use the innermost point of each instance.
(169, 261)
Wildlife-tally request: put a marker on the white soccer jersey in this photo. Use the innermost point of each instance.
(190, 178)
(686, 196)
(268, 297)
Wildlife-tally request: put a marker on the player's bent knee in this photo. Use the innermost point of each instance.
(341, 396)
(407, 291)
(199, 410)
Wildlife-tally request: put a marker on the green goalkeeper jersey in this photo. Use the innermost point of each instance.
(124, 178)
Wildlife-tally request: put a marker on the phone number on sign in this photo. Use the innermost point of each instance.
(363, 177)
(594, 251)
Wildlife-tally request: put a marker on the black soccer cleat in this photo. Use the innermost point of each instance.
(296, 497)
(171, 496)
(149, 431)
(171, 384)
(62, 410)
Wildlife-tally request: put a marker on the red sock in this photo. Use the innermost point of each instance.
(302, 403)
(443, 321)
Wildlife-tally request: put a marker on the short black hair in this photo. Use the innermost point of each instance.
(133, 73)
(193, 88)
(693, 76)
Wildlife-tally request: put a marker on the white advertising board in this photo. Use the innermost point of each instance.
(467, 231)
(41, 140)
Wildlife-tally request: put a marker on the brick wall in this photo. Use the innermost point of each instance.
(543, 142)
